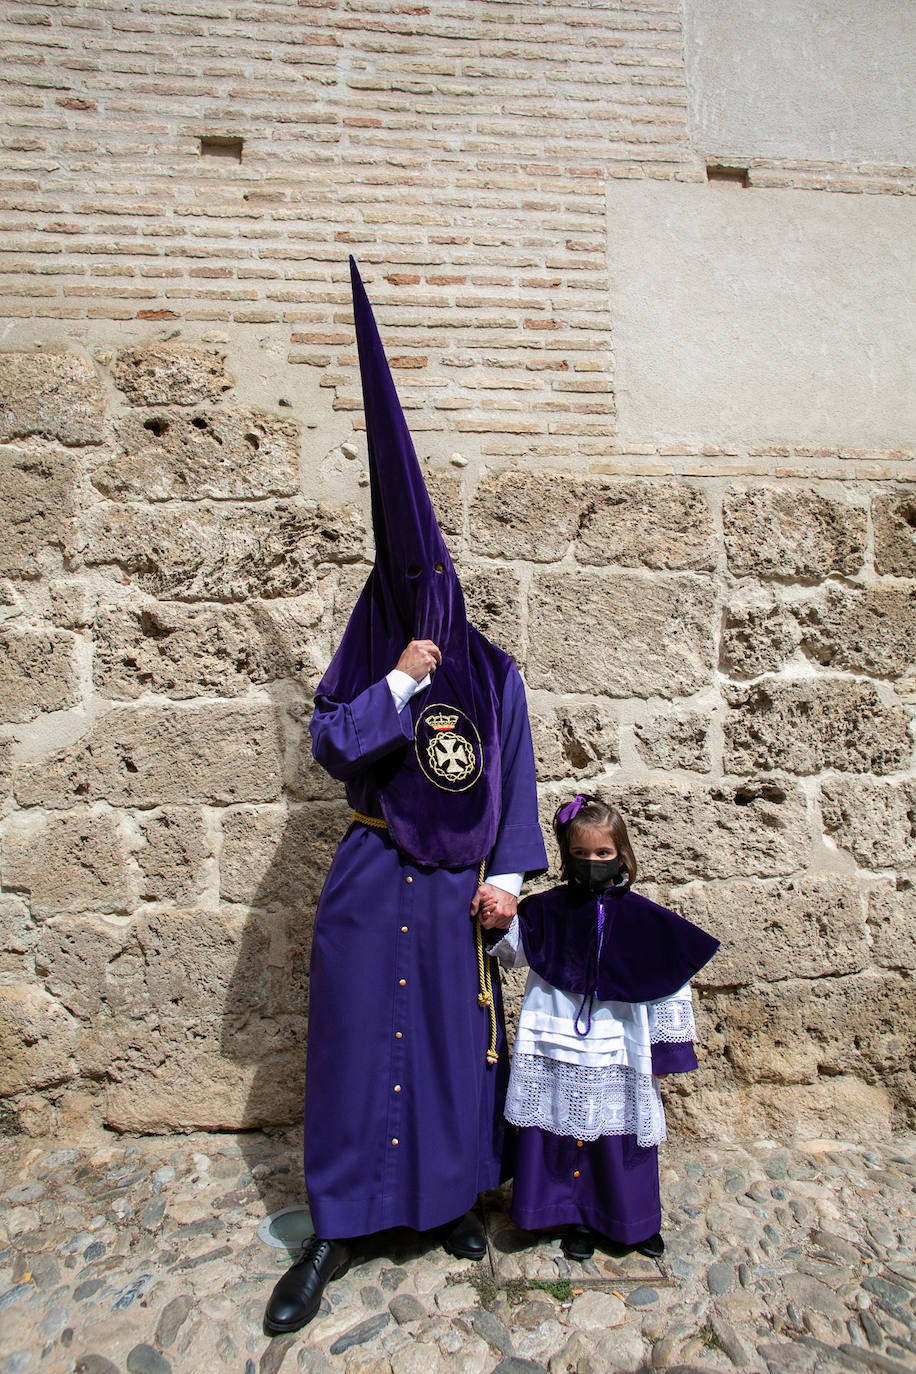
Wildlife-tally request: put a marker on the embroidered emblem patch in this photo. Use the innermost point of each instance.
(448, 748)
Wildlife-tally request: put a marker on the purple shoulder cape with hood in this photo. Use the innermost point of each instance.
(440, 793)
(618, 947)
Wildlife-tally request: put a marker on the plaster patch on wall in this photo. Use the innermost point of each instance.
(761, 316)
(830, 82)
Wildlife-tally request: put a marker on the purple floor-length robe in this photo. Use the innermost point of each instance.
(403, 1119)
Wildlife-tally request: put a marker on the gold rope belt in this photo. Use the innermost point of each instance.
(484, 974)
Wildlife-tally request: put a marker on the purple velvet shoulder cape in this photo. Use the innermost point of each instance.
(647, 952)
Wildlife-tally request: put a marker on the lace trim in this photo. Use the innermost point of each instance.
(671, 1021)
(584, 1100)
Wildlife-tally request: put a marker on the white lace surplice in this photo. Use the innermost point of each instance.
(589, 1085)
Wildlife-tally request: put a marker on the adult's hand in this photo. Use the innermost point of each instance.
(493, 907)
(420, 657)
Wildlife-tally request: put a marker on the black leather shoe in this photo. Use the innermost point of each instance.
(653, 1248)
(579, 1242)
(297, 1296)
(466, 1240)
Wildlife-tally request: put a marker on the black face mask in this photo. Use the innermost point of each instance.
(593, 874)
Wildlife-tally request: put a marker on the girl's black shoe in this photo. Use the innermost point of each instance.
(579, 1242)
(653, 1248)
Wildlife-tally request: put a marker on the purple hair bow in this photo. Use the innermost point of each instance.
(571, 810)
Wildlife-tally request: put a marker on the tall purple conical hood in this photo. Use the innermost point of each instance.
(440, 795)
(413, 565)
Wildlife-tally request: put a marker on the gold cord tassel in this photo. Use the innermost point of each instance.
(485, 996)
(484, 975)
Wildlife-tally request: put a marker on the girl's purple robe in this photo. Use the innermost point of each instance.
(622, 949)
(403, 1118)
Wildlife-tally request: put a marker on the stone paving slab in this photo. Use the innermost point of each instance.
(123, 1255)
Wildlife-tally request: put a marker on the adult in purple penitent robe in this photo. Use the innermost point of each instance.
(425, 722)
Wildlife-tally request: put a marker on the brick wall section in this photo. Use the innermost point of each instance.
(463, 146)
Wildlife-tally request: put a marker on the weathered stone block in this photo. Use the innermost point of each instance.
(240, 454)
(532, 515)
(574, 740)
(756, 640)
(227, 982)
(53, 395)
(156, 756)
(339, 587)
(804, 726)
(875, 821)
(791, 533)
(862, 632)
(894, 520)
(38, 672)
(892, 924)
(174, 857)
(161, 376)
(647, 525)
(39, 1041)
(72, 862)
(445, 493)
(186, 651)
(861, 1025)
(274, 857)
(252, 840)
(198, 966)
(681, 832)
(623, 635)
(72, 603)
(807, 927)
(72, 956)
(6, 767)
(681, 741)
(493, 599)
(203, 552)
(212, 1090)
(837, 1108)
(308, 780)
(17, 936)
(36, 507)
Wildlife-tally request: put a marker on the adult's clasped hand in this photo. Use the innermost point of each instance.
(493, 907)
(420, 657)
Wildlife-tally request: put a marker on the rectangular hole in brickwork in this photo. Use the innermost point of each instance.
(720, 171)
(222, 147)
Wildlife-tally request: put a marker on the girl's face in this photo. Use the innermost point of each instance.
(592, 843)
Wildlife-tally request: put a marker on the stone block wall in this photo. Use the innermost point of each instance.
(718, 633)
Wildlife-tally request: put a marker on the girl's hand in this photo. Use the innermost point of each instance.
(420, 657)
(493, 907)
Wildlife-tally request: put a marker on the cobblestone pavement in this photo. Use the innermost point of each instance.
(143, 1255)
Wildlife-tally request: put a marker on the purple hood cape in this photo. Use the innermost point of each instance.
(440, 793)
(637, 952)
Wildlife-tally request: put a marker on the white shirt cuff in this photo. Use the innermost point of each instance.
(509, 882)
(402, 687)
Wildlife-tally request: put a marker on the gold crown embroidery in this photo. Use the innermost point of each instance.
(442, 722)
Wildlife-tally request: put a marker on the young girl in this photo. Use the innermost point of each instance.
(607, 1011)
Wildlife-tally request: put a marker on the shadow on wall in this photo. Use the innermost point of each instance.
(273, 863)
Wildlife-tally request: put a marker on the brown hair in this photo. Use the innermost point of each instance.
(597, 813)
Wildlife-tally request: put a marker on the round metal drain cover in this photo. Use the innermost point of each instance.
(286, 1229)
